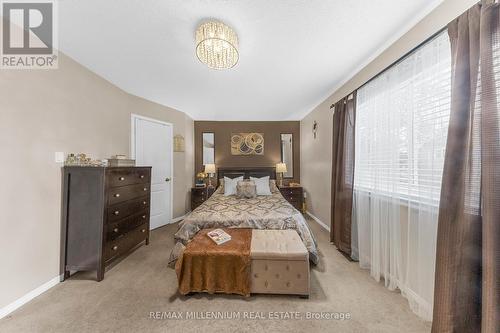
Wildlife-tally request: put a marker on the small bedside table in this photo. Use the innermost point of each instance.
(199, 195)
(294, 195)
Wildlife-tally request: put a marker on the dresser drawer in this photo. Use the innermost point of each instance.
(199, 191)
(124, 209)
(127, 242)
(200, 195)
(294, 195)
(121, 227)
(124, 193)
(195, 204)
(105, 214)
(125, 176)
(199, 200)
(293, 201)
(291, 191)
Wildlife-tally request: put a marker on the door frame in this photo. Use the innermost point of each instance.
(133, 118)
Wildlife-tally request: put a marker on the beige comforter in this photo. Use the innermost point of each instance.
(262, 212)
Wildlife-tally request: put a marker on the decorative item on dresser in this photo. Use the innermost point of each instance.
(199, 195)
(105, 215)
(294, 195)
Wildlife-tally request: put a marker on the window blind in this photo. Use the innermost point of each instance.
(402, 121)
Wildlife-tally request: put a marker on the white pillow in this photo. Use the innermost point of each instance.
(230, 185)
(262, 185)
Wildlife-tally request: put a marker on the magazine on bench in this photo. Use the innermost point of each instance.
(219, 236)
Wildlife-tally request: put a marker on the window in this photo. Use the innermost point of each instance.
(402, 124)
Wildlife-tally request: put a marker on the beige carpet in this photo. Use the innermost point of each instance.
(142, 283)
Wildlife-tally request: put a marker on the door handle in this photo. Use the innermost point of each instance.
(167, 179)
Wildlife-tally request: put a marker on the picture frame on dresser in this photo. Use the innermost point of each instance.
(105, 216)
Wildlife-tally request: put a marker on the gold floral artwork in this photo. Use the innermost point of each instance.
(247, 143)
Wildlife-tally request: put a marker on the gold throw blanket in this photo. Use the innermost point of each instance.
(207, 267)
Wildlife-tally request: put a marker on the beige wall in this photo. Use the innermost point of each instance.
(316, 155)
(70, 110)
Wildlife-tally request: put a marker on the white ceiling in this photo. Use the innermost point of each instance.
(293, 54)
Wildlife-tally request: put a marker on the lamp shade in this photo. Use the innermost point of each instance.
(209, 168)
(281, 167)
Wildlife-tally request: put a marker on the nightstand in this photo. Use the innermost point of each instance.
(199, 195)
(294, 195)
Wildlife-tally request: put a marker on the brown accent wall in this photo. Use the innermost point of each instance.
(272, 152)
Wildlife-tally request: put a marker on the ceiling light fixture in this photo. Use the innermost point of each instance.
(216, 45)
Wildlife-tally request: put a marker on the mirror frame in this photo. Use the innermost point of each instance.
(202, 146)
(293, 158)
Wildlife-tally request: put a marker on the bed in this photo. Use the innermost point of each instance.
(262, 212)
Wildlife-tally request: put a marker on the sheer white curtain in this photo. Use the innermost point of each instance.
(401, 127)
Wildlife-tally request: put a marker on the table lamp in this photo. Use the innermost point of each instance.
(281, 169)
(210, 170)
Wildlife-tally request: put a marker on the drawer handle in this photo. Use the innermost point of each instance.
(142, 176)
(115, 247)
(115, 229)
(116, 212)
(144, 202)
(145, 189)
(143, 230)
(143, 216)
(117, 195)
(121, 178)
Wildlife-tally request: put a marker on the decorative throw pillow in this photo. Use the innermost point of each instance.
(246, 189)
(273, 186)
(230, 185)
(262, 185)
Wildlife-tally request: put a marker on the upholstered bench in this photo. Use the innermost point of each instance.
(279, 263)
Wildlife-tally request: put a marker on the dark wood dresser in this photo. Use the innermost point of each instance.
(105, 215)
(294, 195)
(199, 195)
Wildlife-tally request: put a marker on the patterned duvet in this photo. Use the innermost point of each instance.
(262, 212)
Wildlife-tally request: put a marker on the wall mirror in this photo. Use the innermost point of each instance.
(287, 153)
(208, 148)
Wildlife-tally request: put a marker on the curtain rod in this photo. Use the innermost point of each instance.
(398, 60)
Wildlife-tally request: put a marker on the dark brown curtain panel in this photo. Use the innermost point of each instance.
(466, 293)
(344, 119)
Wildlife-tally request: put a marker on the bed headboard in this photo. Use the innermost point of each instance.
(257, 172)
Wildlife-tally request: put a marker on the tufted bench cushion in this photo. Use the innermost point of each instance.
(279, 263)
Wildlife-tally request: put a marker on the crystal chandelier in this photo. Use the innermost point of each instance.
(216, 45)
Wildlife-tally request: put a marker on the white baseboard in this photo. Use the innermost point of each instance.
(174, 220)
(6, 310)
(325, 226)
(180, 218)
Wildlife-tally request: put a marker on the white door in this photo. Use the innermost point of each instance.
(152, 146)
